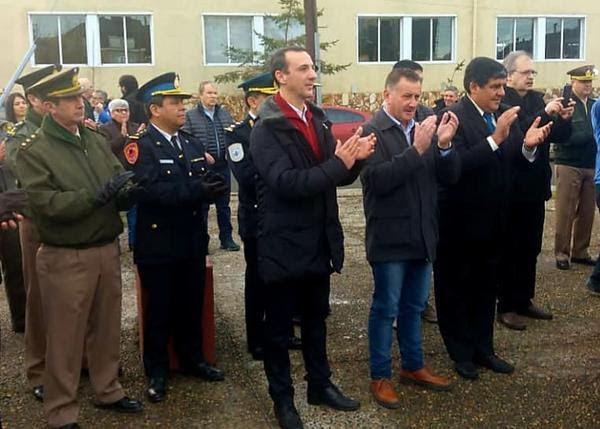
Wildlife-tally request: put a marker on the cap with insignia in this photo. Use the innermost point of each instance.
(165, 84)
(262, 83)
(59, 85)
(588, 72)
(30, 79)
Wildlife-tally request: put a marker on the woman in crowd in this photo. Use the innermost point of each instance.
(15, 107)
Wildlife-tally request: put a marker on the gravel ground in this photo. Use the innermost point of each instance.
(556, 383)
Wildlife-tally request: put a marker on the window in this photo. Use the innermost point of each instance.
(337, 116)
(514, 34)
(563, 38)
(91, 39)
(223, 32)
(125, 39)
(545, 38)
(389, 39)
(60, 39)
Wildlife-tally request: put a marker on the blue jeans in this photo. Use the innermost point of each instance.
(222, 205)
(401, 290)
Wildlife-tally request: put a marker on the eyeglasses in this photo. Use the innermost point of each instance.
(121, 110)
(527, 72)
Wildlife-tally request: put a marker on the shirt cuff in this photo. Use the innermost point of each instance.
(492, 144)
(529, 155)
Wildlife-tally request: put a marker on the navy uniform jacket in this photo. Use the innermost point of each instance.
(237, 138)
(170, 225)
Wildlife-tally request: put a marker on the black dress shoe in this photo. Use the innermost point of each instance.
(466, 369)
(494, 363)
(124, 405)
(563, 265)
(38, 393)
(204, 371)
(70, 426)
(584, 261)
(287, 416)
(258, 353)
(157, 389)
(295, 343)
(512, 321)
(593, 286)
(332, 397)
(534, 312)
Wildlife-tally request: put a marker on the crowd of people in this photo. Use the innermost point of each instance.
(455, 194)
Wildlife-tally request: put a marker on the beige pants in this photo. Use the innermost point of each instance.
(35, 328)
(81, 298)
(575, 208)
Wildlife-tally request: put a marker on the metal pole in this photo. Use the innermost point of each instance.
(312, 41)
(9, 86)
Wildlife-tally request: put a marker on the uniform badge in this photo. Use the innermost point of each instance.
(236, 152)
(131, 152)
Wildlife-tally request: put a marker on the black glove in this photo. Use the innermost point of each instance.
(109, 191)
(213, 185)
(12, 201)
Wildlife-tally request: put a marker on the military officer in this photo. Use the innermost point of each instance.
(76, 188)
(35, 328)
(171, 236)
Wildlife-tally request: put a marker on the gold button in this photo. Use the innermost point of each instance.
(27, 140)
(190, 173)
(157, 143)
(168, 171)
(154, 226)
(32, 136)
(23, 144)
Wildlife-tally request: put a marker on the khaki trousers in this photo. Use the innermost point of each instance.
(575, 208)
(35, 328)
(81, 299)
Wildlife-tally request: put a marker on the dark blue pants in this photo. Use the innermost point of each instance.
(131, 220)
(222, 205)
(595, 277)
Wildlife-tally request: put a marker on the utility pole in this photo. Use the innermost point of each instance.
(312, 40)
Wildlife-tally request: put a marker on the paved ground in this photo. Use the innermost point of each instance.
(556, 383)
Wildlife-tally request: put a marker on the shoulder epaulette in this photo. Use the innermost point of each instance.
(137, 135)
(9, 128)
(27, 141)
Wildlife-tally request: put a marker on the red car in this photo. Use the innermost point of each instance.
(345, 120)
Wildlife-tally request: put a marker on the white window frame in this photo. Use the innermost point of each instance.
(92, 33)
(539, 36)
(406, 36)
(258, 26)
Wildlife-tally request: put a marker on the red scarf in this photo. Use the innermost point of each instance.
(306, 129)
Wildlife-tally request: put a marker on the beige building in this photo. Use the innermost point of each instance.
(109, 38)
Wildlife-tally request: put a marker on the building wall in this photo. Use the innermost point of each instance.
(178, 38)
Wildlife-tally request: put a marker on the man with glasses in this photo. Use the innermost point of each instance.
(575, 162)
(530, 190)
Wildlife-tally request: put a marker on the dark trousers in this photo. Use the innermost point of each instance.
(254, 297)
(523, 245)
(465, 284)
(595, 277)
(131, 221)
(174, 307)
(312, 295)
(222, 205)
(12, 271)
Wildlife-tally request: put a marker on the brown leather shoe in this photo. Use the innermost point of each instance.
(512, 321)
(424, 377)
(384, 393)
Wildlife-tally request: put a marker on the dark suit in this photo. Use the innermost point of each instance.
(530, 189)
(237, 138)
(472, 224)
(170, 246)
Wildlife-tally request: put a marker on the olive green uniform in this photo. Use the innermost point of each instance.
(77, 264)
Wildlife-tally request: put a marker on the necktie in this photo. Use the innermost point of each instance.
(489, 121)
(175, 143)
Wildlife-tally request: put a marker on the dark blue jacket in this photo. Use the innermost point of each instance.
(211, 132)
(299, 233)
(170, 225)
(237, 138)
